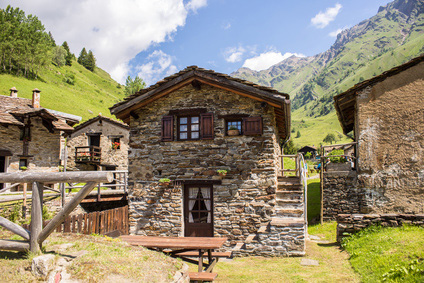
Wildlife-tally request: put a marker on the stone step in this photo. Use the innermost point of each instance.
(289, 201)
(289, 212)
(289, 180)
(282, 222)
(290, 188)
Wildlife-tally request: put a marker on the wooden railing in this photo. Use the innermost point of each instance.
(88, 154)
(112, 222)
(35, 237)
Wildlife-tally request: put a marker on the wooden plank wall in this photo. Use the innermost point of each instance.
(113, 221)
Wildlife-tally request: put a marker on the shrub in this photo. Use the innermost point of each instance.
(337, 159)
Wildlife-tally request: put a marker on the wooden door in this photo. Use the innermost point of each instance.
(198, 211)
(94, 140)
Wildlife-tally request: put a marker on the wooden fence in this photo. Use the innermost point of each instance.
(112, 222)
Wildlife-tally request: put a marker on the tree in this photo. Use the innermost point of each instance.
(51, 39)
(298, 134)
(91, 61)
(59, 54)
(329, 138)
(69, 56)
(132, 86)
(290, 148)
(82, 58)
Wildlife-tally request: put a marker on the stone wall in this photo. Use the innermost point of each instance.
(245, 198)
(117, 157)
(390, 135)
(44, 147)
(341, 194)
(352, 223)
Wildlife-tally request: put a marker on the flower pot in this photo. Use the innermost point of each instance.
(233, 132)
(222, 174)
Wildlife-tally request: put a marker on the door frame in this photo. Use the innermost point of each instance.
(186, 209)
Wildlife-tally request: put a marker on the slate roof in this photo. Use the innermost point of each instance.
(103, 118)
(345, 101)
(14, 109)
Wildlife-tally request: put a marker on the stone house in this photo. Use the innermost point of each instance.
(180, 130)
(99, 143)
(31, 137)
(386, 115)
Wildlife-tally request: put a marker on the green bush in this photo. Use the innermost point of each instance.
(337, 159)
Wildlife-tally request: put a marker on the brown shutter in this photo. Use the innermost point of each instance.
(206, 126)
(252, 126)
(167, 128)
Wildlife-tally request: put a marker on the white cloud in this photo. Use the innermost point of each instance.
(226, 25)
(336, 32)
(159, 66)
(321, 20)
(265, 60)
(116, 31)
(234, 54)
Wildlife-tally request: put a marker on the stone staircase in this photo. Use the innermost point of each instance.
(284, 235)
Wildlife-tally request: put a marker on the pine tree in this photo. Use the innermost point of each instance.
(82, 58)
(51, 39)
(91, 61)
(132, 86)
(69, 56)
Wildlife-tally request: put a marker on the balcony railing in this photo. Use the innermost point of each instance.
(88, 154)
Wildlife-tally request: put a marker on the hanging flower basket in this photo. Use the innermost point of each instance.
(222, 172)
(164, 182)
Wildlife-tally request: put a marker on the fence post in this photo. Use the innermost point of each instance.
(36, 216)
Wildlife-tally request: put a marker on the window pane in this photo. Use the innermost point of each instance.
(194, 120)
(194, 135)
(183, 136)
(195, 127)
(183, 120)
(183, 128)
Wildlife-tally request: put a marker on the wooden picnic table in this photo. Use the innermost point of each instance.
(179, 246)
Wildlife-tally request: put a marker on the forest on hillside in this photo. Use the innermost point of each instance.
(26, 47)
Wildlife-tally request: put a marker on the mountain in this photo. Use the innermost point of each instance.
(391, 37)
(71, 89)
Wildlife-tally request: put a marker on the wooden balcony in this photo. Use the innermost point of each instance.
(88, 154)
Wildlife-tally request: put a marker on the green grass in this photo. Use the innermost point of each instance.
(326, 231)
(387, 254)
(92, 93)
(314, 200)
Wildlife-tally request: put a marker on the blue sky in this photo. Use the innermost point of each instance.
(153, 39)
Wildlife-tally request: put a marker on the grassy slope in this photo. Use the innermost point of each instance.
(92, 93)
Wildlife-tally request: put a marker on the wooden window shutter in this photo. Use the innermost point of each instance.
(167, 128)
(206, 126)
(252, 126)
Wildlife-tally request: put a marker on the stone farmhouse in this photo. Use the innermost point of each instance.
(188, 126)
(386, 115)
(31, 137)
(100, 143)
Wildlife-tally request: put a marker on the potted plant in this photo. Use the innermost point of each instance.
(233, 131)
(222, 172)
(116, 145)
(164, 181)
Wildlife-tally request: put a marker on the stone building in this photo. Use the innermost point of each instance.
(386, 115)
(100, 143)
(188, 126)
(31, 137)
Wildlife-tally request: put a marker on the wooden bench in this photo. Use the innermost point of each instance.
(202, 276)
(196, 254)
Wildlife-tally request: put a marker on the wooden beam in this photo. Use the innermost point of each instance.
(36, 216)
(15, 228)
(57, 177)
(66, 210)
(12, 245)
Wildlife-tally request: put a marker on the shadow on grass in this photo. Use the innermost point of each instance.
(12, 255)
(333, 244)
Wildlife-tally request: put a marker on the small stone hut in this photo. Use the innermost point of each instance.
(187, 127)
(32, 137)
(386, 115)
(99, 143)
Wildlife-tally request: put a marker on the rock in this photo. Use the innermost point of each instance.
(309, 262)
(41, 265)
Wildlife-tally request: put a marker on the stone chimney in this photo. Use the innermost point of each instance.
(13, 92)
(36, 98)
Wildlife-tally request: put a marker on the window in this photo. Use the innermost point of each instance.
(233, 125)
(248, 126)
(116, 143)
(189, 128)
(23, 163)
(25, 134)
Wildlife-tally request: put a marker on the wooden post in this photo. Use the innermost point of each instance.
(15, 228)
(24, 205)
(322, 185)
(36, 216)
(69, 207)
(98, 192)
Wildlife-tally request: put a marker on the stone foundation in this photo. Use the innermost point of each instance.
(352, 223)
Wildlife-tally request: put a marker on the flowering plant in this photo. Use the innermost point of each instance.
(115, 145)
